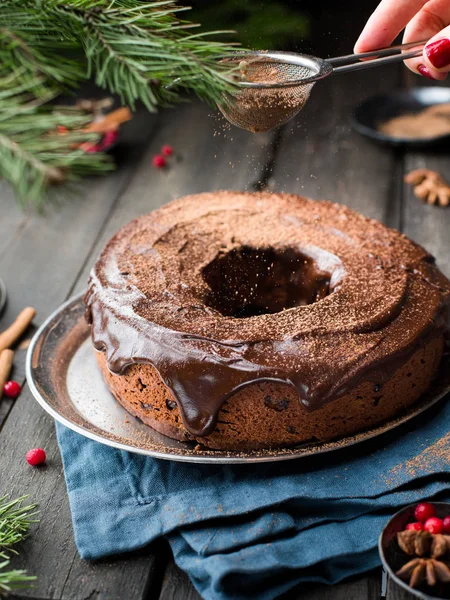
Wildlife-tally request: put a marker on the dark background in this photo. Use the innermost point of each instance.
(323, 28)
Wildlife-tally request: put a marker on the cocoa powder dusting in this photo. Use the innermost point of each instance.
(436, 455)
(430, 122)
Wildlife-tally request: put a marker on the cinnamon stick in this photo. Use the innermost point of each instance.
(6, 361)
(14, 331)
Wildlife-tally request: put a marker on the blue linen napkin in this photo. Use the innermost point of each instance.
(256, 530)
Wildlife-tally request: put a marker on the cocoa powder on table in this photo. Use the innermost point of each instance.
(433, 121)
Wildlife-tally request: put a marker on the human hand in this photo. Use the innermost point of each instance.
(421, 19)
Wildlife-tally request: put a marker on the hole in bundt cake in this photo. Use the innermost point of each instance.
(247, 282)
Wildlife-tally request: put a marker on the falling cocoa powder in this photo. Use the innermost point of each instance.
(432, 122)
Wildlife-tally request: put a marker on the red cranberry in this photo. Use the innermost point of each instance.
(434, 525)
(424, 511)
(417, 526)
(446, 525)
(36, 456)
(167, 150)
(159, 161)
(11, 389)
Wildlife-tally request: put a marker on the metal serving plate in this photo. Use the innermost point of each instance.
(64, 378)
(3, 296)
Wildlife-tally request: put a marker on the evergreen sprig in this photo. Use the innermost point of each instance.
(15, 521)
(34, 155)
(12, 579)
(140, 51)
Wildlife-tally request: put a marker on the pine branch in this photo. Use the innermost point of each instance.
(34, 155)
(11, 580)
(139, 51)
(15, 521)
(29, 47)
(143, 52)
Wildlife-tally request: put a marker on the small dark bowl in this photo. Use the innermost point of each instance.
(368, 115)
(392, 557)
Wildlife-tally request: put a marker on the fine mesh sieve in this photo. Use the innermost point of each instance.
(274, 86)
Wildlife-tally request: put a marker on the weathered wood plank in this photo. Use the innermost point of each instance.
(11, 218)
(428, 225)
(39, 266)
(18, 374)
(395, 592)
(127, 576)
(177, 586)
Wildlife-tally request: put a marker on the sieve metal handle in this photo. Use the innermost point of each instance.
(374, 58)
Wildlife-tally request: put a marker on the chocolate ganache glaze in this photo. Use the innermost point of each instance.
(220, 290)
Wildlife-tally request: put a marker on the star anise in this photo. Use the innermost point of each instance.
(422, 543)
(419, 570)
(414, 543)
(440, 545)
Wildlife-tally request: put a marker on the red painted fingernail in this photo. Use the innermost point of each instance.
(425, 71)
(438, 53)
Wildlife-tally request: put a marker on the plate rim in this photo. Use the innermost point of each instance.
(210, 456)
(3, 295)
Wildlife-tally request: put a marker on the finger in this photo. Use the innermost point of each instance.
(428, 22)
(436, 53)
(384, 25)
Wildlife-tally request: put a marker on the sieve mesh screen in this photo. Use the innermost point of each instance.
(260, 109)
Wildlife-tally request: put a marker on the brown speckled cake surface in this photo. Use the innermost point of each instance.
(225, 289)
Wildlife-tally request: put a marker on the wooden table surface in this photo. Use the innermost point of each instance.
(45, 259)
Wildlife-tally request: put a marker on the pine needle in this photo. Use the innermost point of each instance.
(34, 155)
(15, 521)
(140, 51)
(11, 580)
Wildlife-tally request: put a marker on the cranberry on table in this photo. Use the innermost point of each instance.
(417, 526)
(11, 389)
(167, 150)
(424, 511)
(159, 161)
(36, 456)
(434, 525)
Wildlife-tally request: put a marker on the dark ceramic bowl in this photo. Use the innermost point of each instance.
(392, 557)
(368, 115)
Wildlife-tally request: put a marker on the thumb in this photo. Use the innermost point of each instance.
(436, 54)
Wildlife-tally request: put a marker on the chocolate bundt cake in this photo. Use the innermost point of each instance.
(262, 320)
